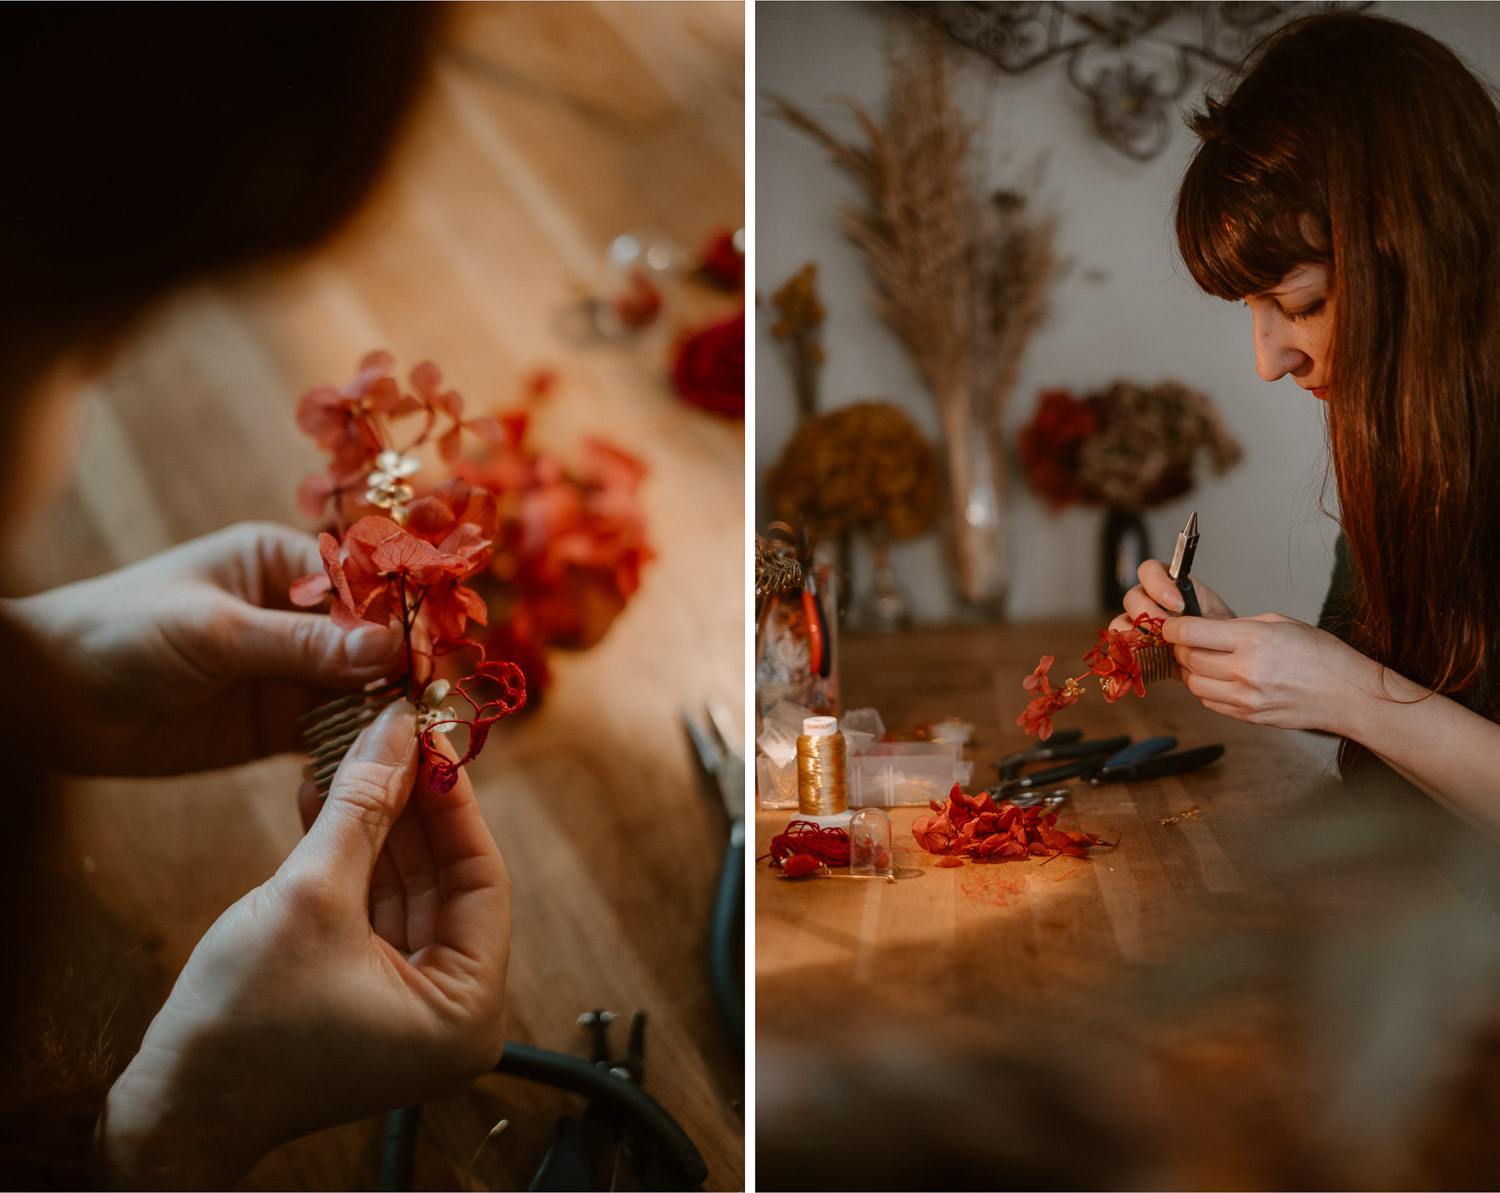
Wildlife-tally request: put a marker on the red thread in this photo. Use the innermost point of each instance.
(829, 845)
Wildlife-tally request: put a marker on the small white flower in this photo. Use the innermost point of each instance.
(388, 487)
(431, 716)
(391, 467)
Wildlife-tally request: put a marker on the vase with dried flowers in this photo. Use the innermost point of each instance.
(961, 274)
(863, 468)
(1127, 448)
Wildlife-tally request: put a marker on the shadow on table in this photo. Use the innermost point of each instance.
(1341, 1033)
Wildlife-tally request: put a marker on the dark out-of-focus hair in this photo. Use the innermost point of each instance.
(147, 146)
(1368, 146)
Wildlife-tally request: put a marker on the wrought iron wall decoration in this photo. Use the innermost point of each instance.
(1132, 59)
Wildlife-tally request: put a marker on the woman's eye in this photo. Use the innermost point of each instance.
(1306, 312)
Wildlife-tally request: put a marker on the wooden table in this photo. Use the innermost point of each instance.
(1157, 1015)
(549, 130)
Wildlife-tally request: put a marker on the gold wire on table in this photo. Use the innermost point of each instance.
(483, 1143)
(821, 785)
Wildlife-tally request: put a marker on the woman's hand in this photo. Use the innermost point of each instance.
(1157, 596)
(193, 659)
(1270, 670)
(367, 973)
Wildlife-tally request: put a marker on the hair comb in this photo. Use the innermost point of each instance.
(1158, 662)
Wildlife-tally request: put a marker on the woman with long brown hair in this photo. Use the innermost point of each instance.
(1347, 191)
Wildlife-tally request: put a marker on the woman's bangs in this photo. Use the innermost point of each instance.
(1236, 238)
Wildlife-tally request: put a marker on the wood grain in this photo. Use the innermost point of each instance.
(1161, 1013)
(548, 130)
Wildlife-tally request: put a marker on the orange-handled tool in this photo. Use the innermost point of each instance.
(814, 629)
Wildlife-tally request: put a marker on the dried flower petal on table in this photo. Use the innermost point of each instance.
(570, 547)
(976, 827)
(935, 834)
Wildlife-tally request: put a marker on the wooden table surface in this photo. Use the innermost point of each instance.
(549, 130)
(1134, 1019)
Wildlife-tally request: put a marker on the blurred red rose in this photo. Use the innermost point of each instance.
(721, 263)
(710, 367)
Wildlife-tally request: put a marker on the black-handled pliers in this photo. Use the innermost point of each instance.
(1182, 566)
(1162, 764)
(1107, 752)
(1062, 744)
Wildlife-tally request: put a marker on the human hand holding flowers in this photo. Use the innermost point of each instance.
(368, 972)
(1267, 670)
(194, 659)
(1271, 670)
(1113, 660)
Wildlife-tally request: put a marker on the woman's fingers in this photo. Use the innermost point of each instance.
(1210, 633)
(257, 561)
(367, 795)
(1138, 601)
(1158, 586)
(388, 901)
(1218, 664)
(309, 803)
(413, 871)
(475, 919)
(306, 647)
(1219, 695)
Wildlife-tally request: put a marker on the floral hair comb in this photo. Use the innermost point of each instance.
(400, 557)
(1124, 661)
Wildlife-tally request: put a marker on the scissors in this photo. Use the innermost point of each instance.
(724, 764)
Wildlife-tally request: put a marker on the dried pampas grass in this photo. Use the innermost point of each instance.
(960, 274)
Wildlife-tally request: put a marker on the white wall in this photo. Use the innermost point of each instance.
(1126, 309)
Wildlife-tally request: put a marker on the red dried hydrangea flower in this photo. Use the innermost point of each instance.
(1113, 660)
(974, 826)
(1036, 718)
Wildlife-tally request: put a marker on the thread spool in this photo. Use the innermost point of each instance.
(822, 794)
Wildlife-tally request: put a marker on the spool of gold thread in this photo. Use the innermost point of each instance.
(821, 784)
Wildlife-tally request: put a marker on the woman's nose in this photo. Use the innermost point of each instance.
(1275, 356)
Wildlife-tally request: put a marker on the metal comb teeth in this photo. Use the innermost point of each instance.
(1157, 662)
(330, 729)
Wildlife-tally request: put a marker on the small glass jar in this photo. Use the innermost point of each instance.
(870, 842)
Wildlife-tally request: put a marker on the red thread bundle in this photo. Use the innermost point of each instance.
(805, 846)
